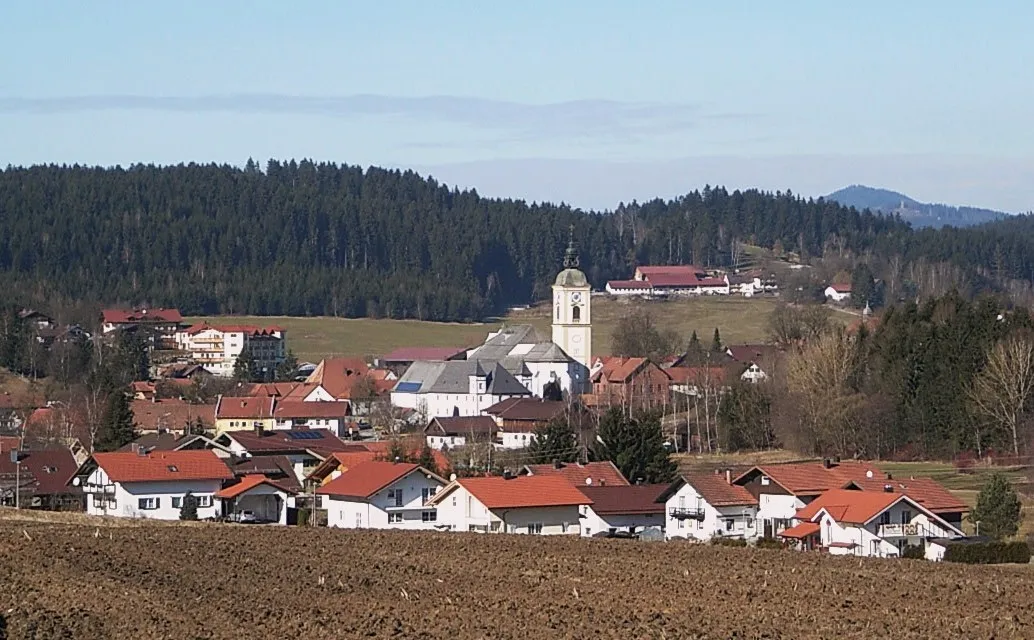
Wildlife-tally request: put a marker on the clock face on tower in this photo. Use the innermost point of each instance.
(576, 297)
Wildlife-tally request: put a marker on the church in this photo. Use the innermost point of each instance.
(516, 361)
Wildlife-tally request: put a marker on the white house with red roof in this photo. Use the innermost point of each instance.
(256, 498)
(621, 508)
(838, 292)
(382, 495)
(702, 506)
(151, 484)
(163, 322)
(217, 347)
(536, 505)
(868, 523)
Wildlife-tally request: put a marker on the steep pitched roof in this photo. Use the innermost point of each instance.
(166, 441)
(276, 467)
(462, 426)
(926, 491)
(338, 375)
(529, 409)
(850, 506)
(628, 499)
(367, 478)
(266, 389)
(454, 377)
(576, 473)
(248, 483)
(253, 408)
(123, 316)
(286, 409)
(152, 415)
(44, 472)
(812, 478)
(162, 466)
(715, 489)
(520, 492)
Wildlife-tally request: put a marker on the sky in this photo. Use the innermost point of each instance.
(591, 102)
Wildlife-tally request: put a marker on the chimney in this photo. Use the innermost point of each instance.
(258, 428)
(890, 477)
(718, 472)
(887, 488)
(827, 463)
(557, 465)
(141, 451)
(728, 476)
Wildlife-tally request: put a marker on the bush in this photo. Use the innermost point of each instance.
(728, 542)
(770, 543)
(913, 552)
(304, 515)
(988, 553)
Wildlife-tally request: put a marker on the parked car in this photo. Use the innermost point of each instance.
(624, 535)
(245, 517)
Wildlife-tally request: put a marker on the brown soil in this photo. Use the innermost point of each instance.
(60, 580)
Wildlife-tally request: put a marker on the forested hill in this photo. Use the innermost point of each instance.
(919, 214)
(300, 238)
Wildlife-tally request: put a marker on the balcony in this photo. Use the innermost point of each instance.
(901, 531)
(686, 513)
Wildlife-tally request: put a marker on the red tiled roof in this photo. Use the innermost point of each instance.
(278, 389)
(527, 409)
(412, 354)
(122, 316)
(716, 490)
(244, 407)
(619, 369)
(800, 531)
(523, 491)
(248, 483)
(367, 478)
(152, 415)
(696, 375)
(412, 447)
(748, 353)
(630, 499)
(926, 491)
(462, 426)
(276, 467)
(337, 375)
(9, 443)
(286, 409)
(841, 287)
(850, 506)
(576, 473)
(163, 466)
(669, 270)
(46, 471)
(813, 478)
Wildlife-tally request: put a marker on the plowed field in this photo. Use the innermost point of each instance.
(223, 581)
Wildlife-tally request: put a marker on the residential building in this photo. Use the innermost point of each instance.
(536, 505)
(217, 347)
(174, 441)
(272, 389)
(868, 523)
(579, 474)
(42, 479)
(443, 432)
(244, 414)
(400, 359)
(162, 324)
(622, 508)
(695, 381)
(171, 415)
(382, 495)
(277, 468)
(622, 382)
(298, 414)
(456, 388)
(256, 498)
(517, 419)
(701, 506)
(838, 292)
(341, 461)
(152, 484)
(753, 362)
(304, 448)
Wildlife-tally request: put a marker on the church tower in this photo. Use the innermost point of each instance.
(572, 320)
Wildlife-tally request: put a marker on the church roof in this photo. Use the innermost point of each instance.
(503, 343)
(571, 278)
(454, 377)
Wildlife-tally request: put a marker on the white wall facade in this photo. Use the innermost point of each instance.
(884, 536)
(435, 405)
(218, 350)
(837, 296)
(778, 511)
(104, 498)
(437, 442)
(592, 523)
(515, 439)
(461, 511)
(572, 322)
(739, 521)
(382, 512)
(334, 425)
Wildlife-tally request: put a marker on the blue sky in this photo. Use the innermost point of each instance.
(591, 102)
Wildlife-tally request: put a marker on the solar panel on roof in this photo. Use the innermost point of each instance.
(407, 387)
(304, 435)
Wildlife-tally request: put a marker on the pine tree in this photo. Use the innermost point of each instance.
(288, 369)
(555, 441)
(244, 367)
(396, 452)
(998, 509)
(188, 507)
(117, 427)
(716, 342)
(427, 461)
(636, 446)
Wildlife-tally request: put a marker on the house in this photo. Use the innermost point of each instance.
(457, 388)
(670, 280)
(277, 468)
(868, 523)
(382, 495)
(271, 389)
(42, 479)
(171, 415)
(753, 362)
(701, 506)
(305, 448)
(333, 379)
(400, 359)
(579, 474)
(217, 347)
(694, 381)
(517, 419)
(151, 484)
(838, 292)
(161, 323)
(458, 432)
(630, 508)
(619, 381)
(264, 498)
(244, 414)
(537, 505)
(174, 441)
(341, 461)
(297, 414)
(39, 320)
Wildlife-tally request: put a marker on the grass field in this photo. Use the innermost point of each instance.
(739, 320)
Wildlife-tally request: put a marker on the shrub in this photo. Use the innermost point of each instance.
(304, 515)
(770, 543)
(188, 508)
(988, 553)
(913, 552)
(728, 542)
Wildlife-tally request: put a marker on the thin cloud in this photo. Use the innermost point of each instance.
(574, 119)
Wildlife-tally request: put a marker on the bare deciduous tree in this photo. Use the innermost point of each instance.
(1001, 392)
(820, 379)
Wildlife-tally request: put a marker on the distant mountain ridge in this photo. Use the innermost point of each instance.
(919, 214)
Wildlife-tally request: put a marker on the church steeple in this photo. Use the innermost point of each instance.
(571, 255)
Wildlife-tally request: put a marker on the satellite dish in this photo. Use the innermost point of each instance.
(588, 481)
(76, 482)
(452, 477)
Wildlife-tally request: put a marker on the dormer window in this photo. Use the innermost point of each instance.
(173, 468)
(765, 481)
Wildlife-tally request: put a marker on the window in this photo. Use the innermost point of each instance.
(98, 500)
(427, 493)
(177, 502)
(393, 518)
(729, 523)
(906, 516)
(395, 496)
(576, 314)
(203, 501)
(454, 501)
(588, 531)
(765, 481)
(429, 516)
(148, 504)
(535, 528)
(885, 517)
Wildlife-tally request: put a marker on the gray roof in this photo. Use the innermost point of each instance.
(454, 377)
(571, 278)
(500, 348)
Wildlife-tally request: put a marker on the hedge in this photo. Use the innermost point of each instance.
(770, 543)
(913, 552)
(728, 542)
(988, 553)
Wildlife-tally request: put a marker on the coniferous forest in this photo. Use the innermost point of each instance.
(304, 238)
